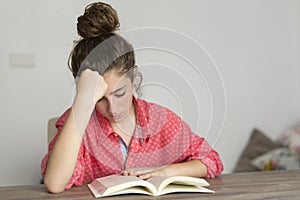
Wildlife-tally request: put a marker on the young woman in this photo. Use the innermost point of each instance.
(108, 130)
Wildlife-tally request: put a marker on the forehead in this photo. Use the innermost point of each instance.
(115, 80)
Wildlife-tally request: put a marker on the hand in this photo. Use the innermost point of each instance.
(90, 86)
(145, 173)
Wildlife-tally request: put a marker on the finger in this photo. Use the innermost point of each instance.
(132, 173)
(145, 176)
(124, 173)
(137, 173)
(100, 88)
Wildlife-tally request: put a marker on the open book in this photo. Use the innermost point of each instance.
(155, 186)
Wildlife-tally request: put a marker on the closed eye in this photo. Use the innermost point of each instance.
(120, 95)
(116, 95)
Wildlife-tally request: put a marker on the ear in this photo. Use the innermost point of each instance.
(135, 72)
(135, 77)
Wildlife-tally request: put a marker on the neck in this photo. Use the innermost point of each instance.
(126, 126)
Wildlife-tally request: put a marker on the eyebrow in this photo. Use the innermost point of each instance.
(117, 90)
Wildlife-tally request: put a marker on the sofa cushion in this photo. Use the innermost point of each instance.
(258, 144)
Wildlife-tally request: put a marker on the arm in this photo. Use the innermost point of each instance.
(194, 168)
(196, 158)
(63, 157)
(200, 160)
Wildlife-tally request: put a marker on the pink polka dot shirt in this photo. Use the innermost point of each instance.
(160, 138)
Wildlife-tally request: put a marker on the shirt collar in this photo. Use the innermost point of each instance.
(141, 111)
(104, 124)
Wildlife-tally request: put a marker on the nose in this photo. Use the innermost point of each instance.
(111, 106)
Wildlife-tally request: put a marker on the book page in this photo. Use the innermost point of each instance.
(178, 182)
(172, 188)
(157, 181)
(118, 184)
(132, 190)
(112, 180)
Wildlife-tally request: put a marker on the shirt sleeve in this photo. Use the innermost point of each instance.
(198, 149)
(201, 150)
(78, 173)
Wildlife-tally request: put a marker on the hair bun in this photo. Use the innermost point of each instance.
(98, 19)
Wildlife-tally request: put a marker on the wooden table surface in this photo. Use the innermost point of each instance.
(253, 185)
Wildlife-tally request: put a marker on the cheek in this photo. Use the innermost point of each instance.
(124, 101)
(128, 99)
(101, 107)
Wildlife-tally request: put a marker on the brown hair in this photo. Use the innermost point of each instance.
(100, 48)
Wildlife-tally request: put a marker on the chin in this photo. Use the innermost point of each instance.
(114, 120)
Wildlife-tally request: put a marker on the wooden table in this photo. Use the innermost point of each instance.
(242, 186)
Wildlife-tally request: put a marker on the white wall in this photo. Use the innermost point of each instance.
(254, 44)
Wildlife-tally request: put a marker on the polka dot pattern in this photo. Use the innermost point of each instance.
(160, 138)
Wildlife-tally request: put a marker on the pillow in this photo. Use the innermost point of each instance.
(277, 159)
(258, 144)
(291, 139)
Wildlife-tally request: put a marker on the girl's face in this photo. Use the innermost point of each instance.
(116, 104)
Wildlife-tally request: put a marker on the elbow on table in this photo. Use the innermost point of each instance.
(53, 186)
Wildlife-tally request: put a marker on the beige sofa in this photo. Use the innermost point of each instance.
(52, 130)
